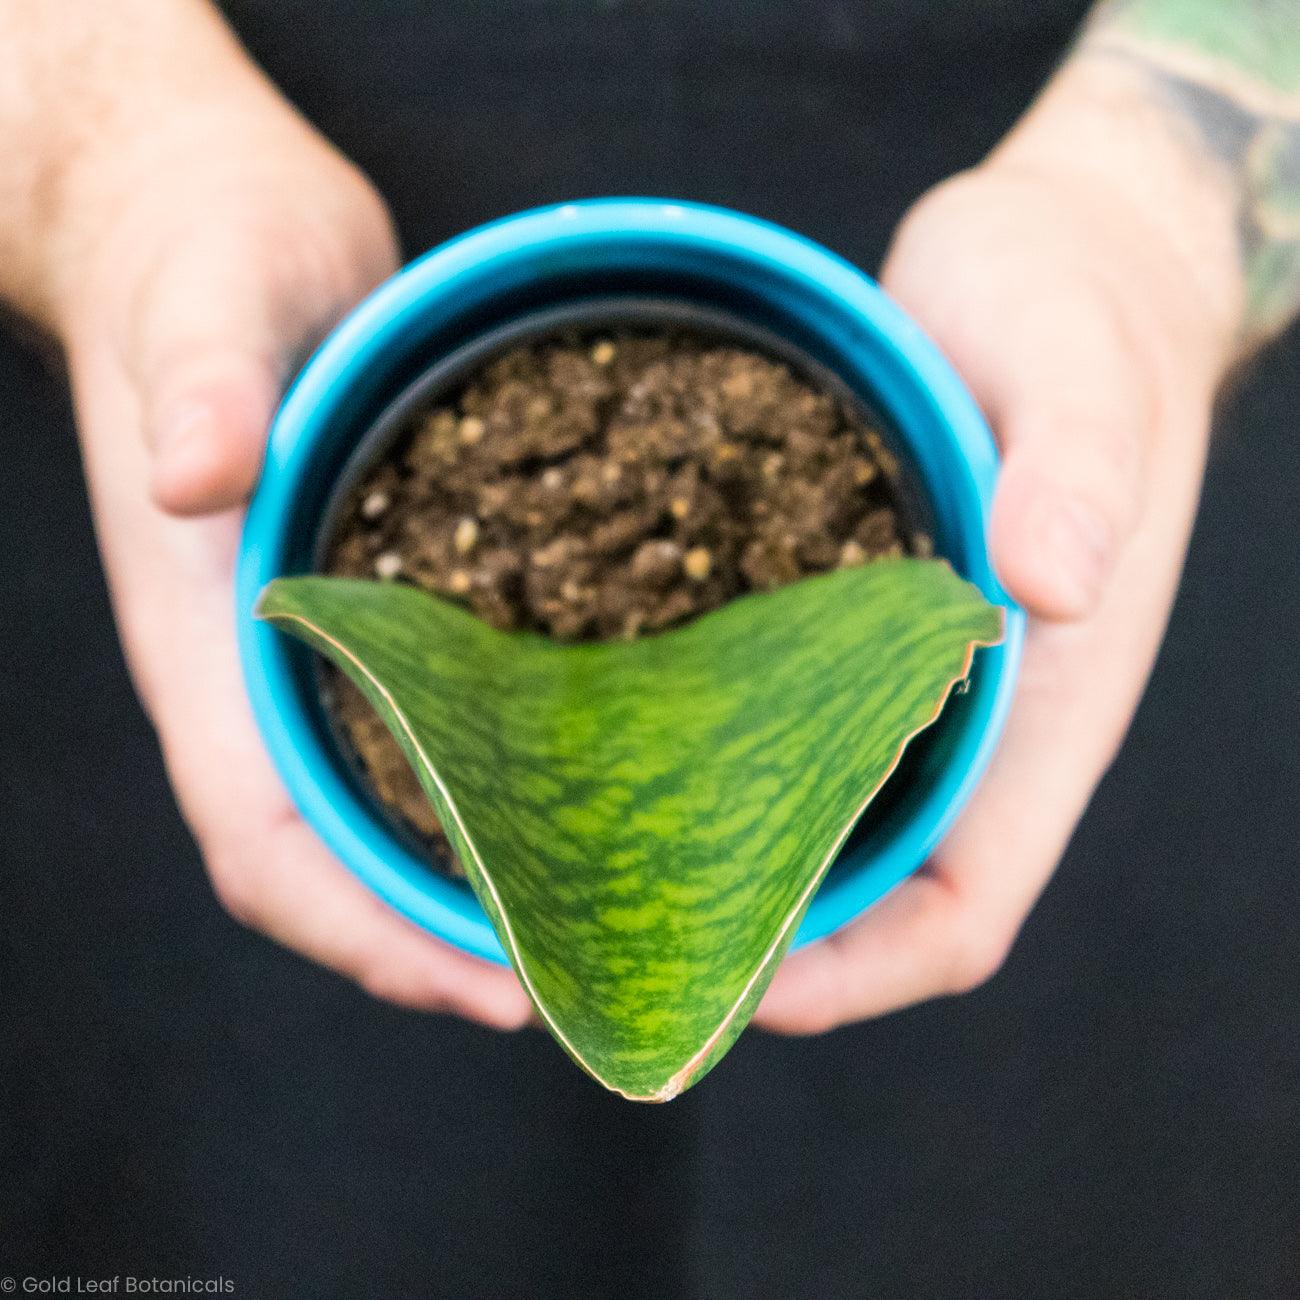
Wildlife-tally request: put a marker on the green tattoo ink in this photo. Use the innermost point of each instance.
(1233, 71)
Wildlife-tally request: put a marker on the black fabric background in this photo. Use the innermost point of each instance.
(1117, 1114)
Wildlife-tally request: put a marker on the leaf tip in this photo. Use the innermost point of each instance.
(264, 605)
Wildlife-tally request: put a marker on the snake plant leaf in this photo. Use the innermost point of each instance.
(645, 822)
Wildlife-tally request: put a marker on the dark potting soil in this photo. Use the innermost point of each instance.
(612, 486)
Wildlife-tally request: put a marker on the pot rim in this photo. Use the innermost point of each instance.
(774, 261)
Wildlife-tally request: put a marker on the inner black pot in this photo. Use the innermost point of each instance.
(448, 376)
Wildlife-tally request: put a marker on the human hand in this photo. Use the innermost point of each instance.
(1092, 322)
(205, 250)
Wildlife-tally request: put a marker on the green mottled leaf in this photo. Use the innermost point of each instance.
(646, 822)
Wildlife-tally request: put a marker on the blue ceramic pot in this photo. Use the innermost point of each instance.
(604, 248)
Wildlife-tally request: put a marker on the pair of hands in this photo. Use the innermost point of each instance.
(210, 253)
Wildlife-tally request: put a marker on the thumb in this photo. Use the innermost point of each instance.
(207, 347)
(206, 424)
(213, 335)
(1074, 419)
(1052, 363)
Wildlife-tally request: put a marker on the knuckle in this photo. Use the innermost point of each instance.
(385, 981)
(1099, 465)
(234, 889)
(936, 226)
(818, 1021)
(1115, 446)
(973, 217)
(951, 198)
(376, 974)
(1121, 414)
(977, 950)
(818, 1009)
(1118, 449)
(802, 1000)
(1101, 519)
(376, 979)
(812, 1019)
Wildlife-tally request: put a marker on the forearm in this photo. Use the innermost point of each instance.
(1225, 78)
(82, 87)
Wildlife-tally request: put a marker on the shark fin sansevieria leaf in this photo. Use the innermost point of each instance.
(645, 822)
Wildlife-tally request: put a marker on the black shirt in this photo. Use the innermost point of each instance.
(1115, 1115)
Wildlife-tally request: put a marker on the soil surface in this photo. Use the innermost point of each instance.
(612, 486)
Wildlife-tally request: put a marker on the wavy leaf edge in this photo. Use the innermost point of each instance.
(683, 1077)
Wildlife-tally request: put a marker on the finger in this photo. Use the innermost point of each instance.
(906, 948)
(267, 867)
(213, 331)
(949, 928)
(1048, 355)
(206, 346)
(1073, 418)
(171, 583)
(273, 874)
(288, 887)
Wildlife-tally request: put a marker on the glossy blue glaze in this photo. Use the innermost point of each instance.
(599, 247)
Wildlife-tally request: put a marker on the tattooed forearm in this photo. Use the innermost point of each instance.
(1230, 69)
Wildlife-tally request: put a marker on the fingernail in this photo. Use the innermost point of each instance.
(1080, 544)
(183, 426)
